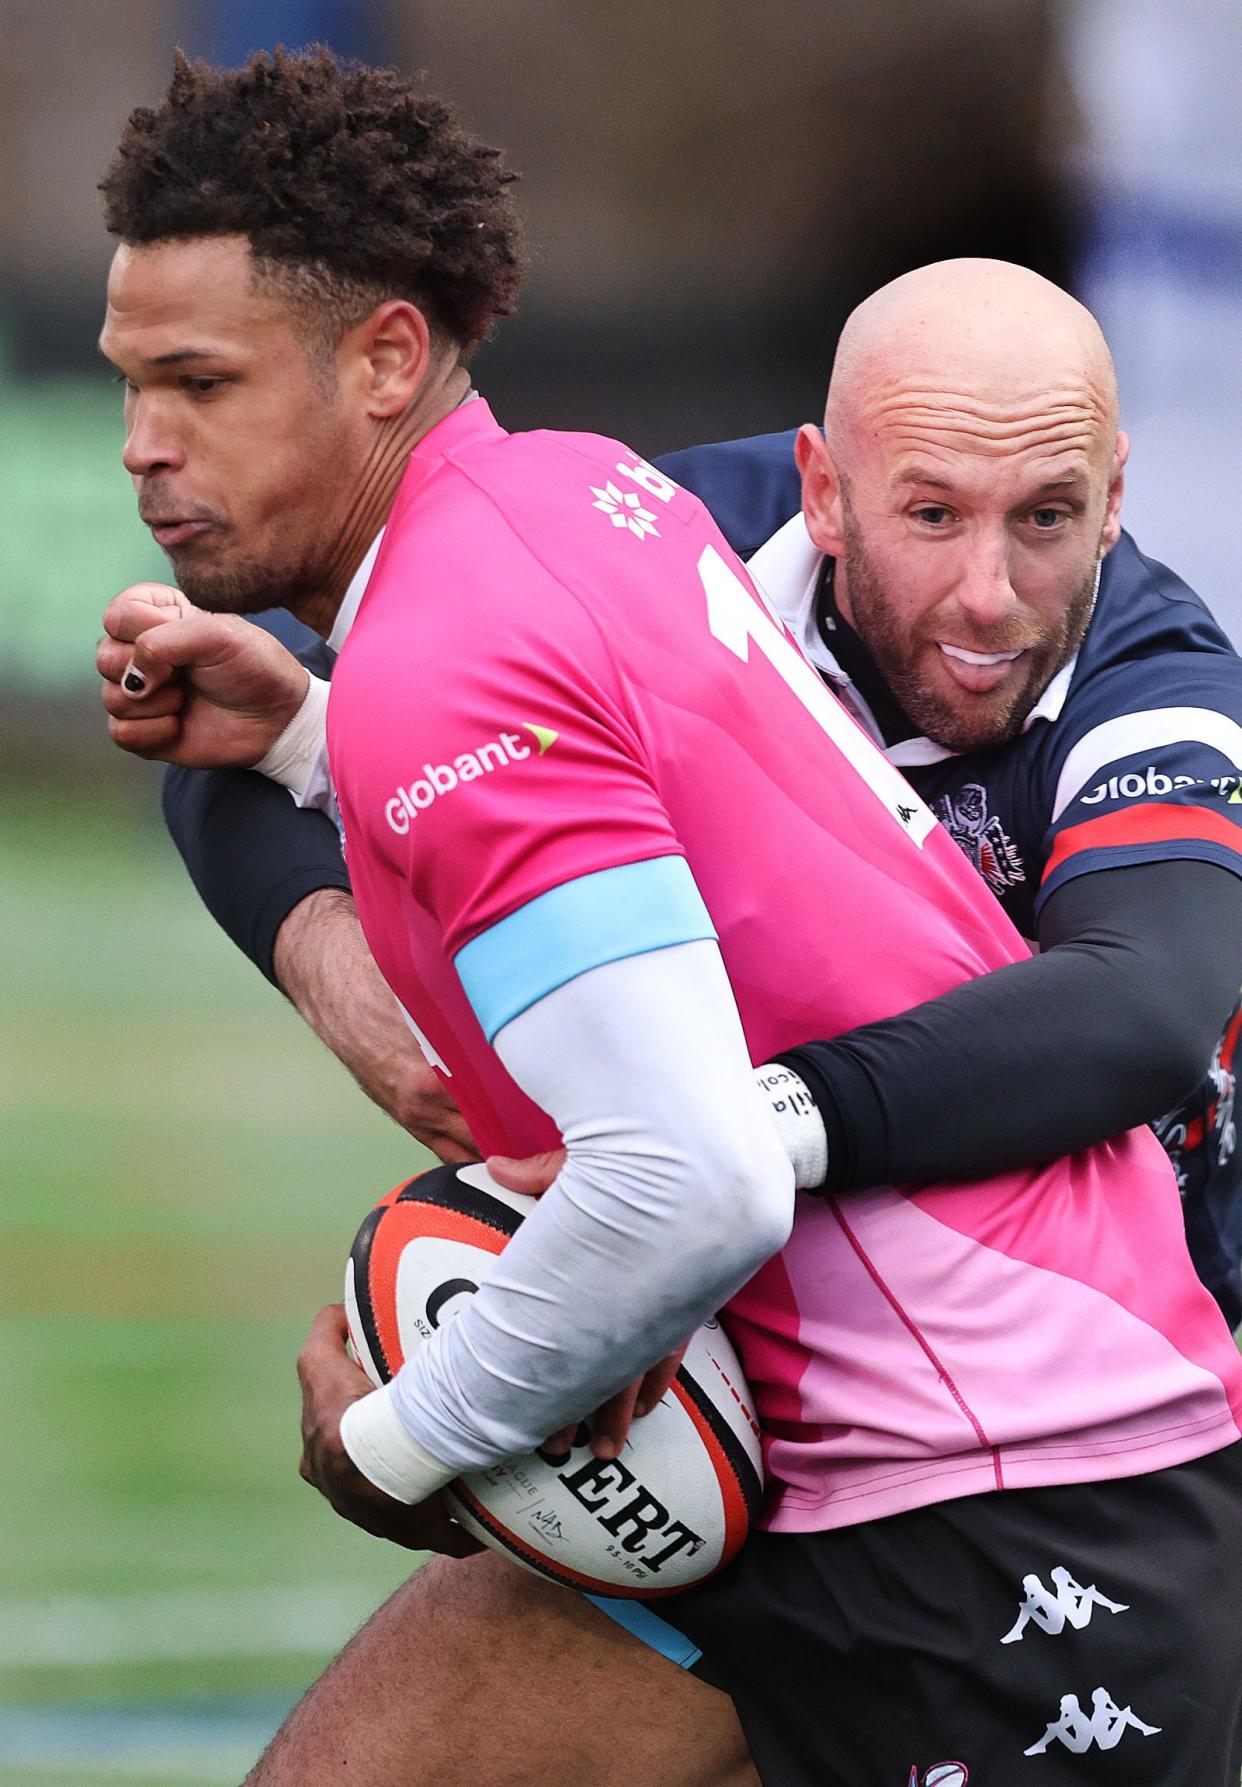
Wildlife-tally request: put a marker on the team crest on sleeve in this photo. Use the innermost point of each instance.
(981, 836)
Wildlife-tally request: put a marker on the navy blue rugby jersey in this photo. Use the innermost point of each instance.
(1133, 754)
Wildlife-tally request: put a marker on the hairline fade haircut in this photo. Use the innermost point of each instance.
(350, 187)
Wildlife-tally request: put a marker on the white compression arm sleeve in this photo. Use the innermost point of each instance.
(675, 1190)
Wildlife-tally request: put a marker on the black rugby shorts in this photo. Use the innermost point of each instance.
(1064, 1637)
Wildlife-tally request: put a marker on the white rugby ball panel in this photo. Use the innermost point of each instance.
(443, 1205)
(672, 1509)
(353, 1321)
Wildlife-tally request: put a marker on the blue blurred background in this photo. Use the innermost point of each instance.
(710, 188)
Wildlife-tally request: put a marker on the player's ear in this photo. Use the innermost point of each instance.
(821, 490)
(391, 350)
(1116, 488)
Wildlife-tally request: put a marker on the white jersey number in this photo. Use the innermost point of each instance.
(737, 620)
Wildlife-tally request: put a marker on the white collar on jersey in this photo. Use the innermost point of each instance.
(347, 613)
(786, 568)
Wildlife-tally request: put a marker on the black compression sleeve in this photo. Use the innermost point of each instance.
(1109, 1027)
(251, 853)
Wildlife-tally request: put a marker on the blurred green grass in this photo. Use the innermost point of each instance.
(183, 1170)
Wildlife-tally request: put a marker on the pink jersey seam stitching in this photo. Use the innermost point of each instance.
(911, 1328)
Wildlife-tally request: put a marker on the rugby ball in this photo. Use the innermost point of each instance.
(671, 1510)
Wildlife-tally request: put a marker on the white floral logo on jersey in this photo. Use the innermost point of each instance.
(624, 508)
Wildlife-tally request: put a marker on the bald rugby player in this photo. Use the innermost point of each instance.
(151, 299)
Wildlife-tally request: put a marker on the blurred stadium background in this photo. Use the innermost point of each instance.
(709, 188)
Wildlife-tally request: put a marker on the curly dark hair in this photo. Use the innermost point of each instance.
(350, 186)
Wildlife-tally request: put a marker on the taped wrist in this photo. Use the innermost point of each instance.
(798, 1123)
(388, 1456)
(293, 758)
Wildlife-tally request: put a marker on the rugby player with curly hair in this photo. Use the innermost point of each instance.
(967, 1387)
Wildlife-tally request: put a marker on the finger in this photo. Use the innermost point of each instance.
(457, 1542)
(111, 657)
(657, 1381)
(160, 595)
(152, 739)
(435, 1527)
(165, 638)
(143, 670)
(610, 1424)
(560, 1443)
(168, 700)
(324, 1364)
(331, 1324)
(446, 1148)
(328, 1331)
(149, 666)
(145, 605)
(195, 638)
(530, 1176)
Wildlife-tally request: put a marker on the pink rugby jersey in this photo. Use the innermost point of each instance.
(565, 730)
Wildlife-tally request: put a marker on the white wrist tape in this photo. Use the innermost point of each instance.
(293, 758)
(798, 1122)
(386, 1454)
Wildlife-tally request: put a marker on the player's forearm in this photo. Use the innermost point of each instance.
(322, 962)
(251, 854)
(1108, 1028)
(675, 1190)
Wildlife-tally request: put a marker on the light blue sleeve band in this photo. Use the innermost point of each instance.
(581, 925)
(654, 1632)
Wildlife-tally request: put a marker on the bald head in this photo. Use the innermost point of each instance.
(966, 485)
(982, 355)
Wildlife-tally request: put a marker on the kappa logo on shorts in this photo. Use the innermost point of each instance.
(1104, 1727)
(940, 1774)
(1072, 1605)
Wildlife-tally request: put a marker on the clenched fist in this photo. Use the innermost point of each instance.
(203, 690)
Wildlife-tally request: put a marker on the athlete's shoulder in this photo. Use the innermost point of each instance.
(751, 486)
(1152, 645)
(1144, 761)
(569, 499)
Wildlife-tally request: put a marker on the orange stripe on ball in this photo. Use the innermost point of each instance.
(736, 1513)
(401, 1224)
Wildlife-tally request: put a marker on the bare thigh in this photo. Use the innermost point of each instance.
(477, 1674)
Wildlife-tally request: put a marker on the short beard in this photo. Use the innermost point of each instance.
(255, 587)
(988, 723)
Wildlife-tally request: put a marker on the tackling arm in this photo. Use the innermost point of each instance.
(1106, 1029)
